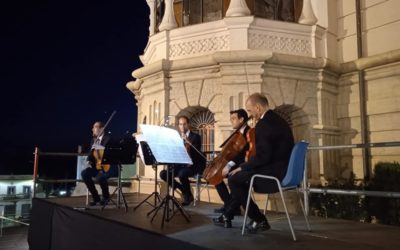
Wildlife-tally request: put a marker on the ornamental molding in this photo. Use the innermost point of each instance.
(281, 44)
(200, 46)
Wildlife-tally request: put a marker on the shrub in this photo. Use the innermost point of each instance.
(386, 178)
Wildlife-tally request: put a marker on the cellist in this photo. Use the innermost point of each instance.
(273, 145)
(238, 119)
(95, 169)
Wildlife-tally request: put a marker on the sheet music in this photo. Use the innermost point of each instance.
(139, 138)
(166, 144)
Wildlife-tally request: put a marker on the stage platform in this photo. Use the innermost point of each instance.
(57, 224)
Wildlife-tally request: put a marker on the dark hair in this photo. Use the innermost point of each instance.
(101, 124)
(241, 113)
(184, 117)
(258, 98)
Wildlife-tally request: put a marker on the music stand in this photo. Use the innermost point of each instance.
(123, 152)
(167, 148)
(149, 159)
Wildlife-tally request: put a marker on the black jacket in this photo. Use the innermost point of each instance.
(198, 159)
(274, 143)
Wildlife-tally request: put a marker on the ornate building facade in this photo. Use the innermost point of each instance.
(203, 59)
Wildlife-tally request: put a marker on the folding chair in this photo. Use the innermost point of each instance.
(294, 175)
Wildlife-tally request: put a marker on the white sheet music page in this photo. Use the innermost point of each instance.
(166, 144)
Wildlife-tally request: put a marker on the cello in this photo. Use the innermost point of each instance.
(230, 149)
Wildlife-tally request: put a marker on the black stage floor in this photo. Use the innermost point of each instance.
(325, 234)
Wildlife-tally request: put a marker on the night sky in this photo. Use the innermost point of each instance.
(65, 64)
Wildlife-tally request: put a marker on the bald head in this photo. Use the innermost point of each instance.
(256, 105)
(258, 98)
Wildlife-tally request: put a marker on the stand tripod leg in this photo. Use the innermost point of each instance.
(156, 209)
(121, 195)
(157, 196)
(179, 207)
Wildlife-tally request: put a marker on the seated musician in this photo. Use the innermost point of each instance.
(237, 119)
(101, 175)
(273, 143)
(183, 172)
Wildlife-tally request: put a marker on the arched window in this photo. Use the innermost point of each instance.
(203, 123)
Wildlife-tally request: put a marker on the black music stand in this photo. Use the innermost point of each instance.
(123, 152)
(150, 160)
(165, 203)
(168, 149)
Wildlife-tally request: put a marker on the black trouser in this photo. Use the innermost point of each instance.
(223, 192)
(239, 184)
(183, 172)
(102, 177)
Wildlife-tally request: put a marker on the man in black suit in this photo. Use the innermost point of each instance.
(238, 119)
(183, 172)
(99, 138)
(274, 143)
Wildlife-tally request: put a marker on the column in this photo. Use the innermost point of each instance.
(237, 8)
(168, 22)
(307, 14)
(152, 17)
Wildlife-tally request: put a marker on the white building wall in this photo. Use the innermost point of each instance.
(381, 26)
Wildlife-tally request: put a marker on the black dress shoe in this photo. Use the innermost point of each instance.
(220, 210)
(104, 201)
(255, 226)
(188, 199)
(94, 202)
(222, 221)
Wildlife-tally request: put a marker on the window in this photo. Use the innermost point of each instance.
(9, 210)
(26, 190)
(25, 210)
(11, 190)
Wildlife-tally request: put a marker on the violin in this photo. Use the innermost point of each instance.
(97, 151)
(186, 142)
(251, 140)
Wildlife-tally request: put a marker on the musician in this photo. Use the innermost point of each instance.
(183, 172)
(273, 142)
(237, 119)
(99, 138)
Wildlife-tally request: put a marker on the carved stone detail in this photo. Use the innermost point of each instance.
(199, 46)
(287, 45)
(193, 91)
(178, 94)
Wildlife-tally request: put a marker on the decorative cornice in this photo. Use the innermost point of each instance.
(371, 61)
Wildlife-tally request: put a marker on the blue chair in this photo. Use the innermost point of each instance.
(294, 175)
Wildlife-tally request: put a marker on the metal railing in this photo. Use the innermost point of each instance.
(306, 189)
(36, 180)
(3, 218)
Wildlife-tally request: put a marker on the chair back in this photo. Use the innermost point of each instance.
(295, 171)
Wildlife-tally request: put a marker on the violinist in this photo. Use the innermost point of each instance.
(101, 175)
(238, 118)
(183, 172)
(273, 145)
